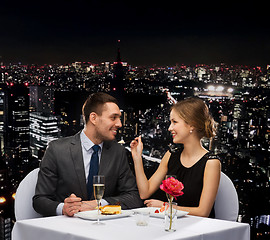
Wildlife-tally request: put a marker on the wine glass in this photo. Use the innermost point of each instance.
(98, 187)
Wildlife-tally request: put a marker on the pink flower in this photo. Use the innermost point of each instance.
(172, 186)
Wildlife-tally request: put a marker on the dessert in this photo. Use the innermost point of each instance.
(110, 209)
(162, 209)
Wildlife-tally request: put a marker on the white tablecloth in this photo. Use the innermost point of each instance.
(73, 228)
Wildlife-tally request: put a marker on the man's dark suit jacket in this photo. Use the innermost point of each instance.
(62, 173)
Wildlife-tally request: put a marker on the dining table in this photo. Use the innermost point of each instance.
(125, 227)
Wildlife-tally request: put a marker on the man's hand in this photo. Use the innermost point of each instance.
(72, 205)
(88, 205)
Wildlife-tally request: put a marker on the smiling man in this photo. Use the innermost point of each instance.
(64, 183)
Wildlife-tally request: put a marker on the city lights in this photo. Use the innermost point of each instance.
(211, 88)
(219, 88)
(2, 200)
(46, 104)
(230, 90)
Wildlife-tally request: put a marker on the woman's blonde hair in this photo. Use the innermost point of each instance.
(195, 112)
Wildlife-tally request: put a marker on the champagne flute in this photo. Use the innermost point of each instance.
(99, 187)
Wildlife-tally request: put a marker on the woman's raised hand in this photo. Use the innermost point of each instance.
(136, 148)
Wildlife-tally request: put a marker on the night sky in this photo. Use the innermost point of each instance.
(151, 32)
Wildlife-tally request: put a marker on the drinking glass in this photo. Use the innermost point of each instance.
(98, 187)
(142, 218)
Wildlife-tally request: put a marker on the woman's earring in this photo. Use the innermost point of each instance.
(191, 131)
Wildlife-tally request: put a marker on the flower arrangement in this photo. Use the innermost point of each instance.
(173, 189)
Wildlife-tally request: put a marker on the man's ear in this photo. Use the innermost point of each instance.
(93, 118)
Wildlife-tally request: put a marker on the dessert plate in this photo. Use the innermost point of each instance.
(92, 215)
(152, 210)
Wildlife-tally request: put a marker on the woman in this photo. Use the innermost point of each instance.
(194, 166)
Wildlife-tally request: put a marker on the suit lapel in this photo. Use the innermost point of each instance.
(105, 156)
(77, 158)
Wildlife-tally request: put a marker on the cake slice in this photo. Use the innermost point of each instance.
(111, 209)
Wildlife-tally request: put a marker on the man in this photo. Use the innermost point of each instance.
(64, 169)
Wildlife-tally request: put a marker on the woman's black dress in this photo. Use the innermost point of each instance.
(191, 177)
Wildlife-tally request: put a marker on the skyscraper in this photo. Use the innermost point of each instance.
(6, 203)
(15, 109)
(43, 129)
(43, 123)
(117, 81)
(42, 99)
(2, 118)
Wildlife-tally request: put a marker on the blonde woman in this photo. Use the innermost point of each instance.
(198, 169)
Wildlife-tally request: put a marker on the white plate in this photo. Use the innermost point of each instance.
(92, 215)
(160, 214)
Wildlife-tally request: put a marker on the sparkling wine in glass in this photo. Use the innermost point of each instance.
(98, 187)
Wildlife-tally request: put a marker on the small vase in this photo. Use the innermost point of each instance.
(170, 215)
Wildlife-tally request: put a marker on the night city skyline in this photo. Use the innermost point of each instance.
(61, 32)
(54, 54)
(42, 103)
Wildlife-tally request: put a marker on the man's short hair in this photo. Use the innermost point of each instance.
(95, 103)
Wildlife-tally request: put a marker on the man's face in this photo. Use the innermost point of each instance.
(108, 122)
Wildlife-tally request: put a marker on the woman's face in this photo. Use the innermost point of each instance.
(179, 129)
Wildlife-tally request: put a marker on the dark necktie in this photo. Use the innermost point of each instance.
(93, 170)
